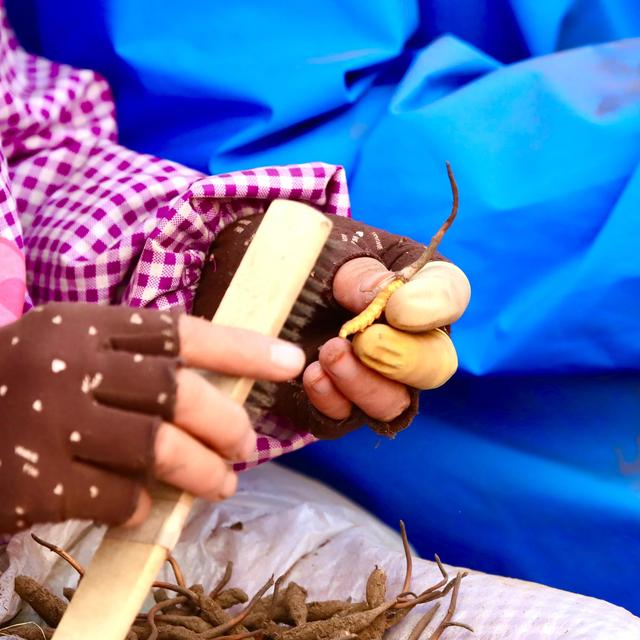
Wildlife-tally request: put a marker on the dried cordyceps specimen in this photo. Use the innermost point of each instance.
(159, 606)
(212, 611)
(193, 623)
(375, 630)
(295, 601)
(190, 614)
(325, 629)
(375, 592)
(424, 622)
(49, 607)
(230, 597)
(176, 633)
(376, 307)
(376, 589)
(227, 626)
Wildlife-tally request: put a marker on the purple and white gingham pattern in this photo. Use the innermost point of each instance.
(101, 223)
(9, 223)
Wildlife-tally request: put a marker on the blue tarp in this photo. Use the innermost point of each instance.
(528, 462)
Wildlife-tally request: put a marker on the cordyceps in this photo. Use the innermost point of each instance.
(188, 613)
(377, 306)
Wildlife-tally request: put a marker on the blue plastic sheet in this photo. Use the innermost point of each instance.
(527, 463)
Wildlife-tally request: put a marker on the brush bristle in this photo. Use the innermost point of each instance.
(260, 399)
(311, 297)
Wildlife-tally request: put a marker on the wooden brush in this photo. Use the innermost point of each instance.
(261, 296)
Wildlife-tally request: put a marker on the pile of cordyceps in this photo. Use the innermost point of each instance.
(286, 614)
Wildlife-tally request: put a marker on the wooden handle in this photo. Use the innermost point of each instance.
(261, 295)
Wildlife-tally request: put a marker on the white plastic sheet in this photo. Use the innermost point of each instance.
(330, 545)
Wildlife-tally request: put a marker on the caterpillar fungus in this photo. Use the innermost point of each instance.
(377, 306)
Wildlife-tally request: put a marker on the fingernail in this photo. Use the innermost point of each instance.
(229, 485)
(287, 356)
(321, 385)
(342, 366)
(376, 281)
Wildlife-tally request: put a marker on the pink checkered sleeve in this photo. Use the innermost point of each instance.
(173, 255)
(100, 223)
(12, 268)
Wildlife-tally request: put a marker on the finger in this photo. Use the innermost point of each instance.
(113, 439)
(378, 397)
(356, 282)
(237, 352)
(185, 463)
(132, 381)
(421, 360)
(148, 332)
(98, 494)
(436, 296)
(143, 509)
(211, 417)
(323, 394)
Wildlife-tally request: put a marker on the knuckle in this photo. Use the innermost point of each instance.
(396, 408)
(185, 333)
(185, 392)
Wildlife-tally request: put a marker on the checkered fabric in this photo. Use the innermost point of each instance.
(100, 223)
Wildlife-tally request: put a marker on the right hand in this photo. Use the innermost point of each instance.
(94, 401)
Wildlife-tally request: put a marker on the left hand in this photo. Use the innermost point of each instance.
(373, 373)
(370, 381)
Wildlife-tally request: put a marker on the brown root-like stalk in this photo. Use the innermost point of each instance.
(177, 571)
(377, 306)
(446, 621)
(424, 622)
(159, 606)
(61, 552)
(408, 559)
(223, 582)
(227, 626)
(408, 272)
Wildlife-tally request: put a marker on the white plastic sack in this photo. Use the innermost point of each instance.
(331, 545)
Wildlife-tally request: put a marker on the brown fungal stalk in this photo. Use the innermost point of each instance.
(177, 572)
(377, 306)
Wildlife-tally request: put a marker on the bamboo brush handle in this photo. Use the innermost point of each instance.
(261, 295)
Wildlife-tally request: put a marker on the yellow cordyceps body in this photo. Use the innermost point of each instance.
(367, 317)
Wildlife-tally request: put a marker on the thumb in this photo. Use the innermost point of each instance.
(357, 282)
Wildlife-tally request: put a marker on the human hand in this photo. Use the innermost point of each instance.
(411, 349)
(339, 391)
(95, 400)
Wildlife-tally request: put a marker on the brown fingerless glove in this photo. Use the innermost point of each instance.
(323, 317)
(83, 389)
